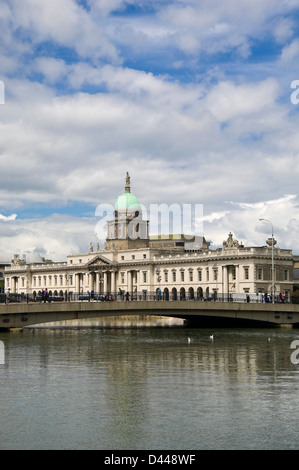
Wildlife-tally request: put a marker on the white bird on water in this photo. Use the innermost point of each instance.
(212, 337)
(189, 340)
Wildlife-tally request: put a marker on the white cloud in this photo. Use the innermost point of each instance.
(243, 220)
(291, 51)
(52, 69)
(229, 101)
(70, 26)
(8, 217)
(53, 237)
(283, 30)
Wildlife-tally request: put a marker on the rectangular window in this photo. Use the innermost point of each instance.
(199, 275)
(190, 276)
(260, 274)
(233, 273)
(246, 272)
(122, 278)
(208, 274)
(182, 276)
(286, 274)
(166, 276)
(144, 276)
(174, 276)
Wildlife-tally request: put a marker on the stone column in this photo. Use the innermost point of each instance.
(105, 282)
(91, 281)
(152, 280)
(225, 282)
(129, 277)
(138, 277)
(113, 286)
(97, 287)
(77, 283)
(237, 280)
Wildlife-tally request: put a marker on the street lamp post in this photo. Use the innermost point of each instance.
(272, 244)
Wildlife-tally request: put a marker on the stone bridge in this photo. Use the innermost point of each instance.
(197, 313)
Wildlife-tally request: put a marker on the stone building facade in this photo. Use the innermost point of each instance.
(172, 268)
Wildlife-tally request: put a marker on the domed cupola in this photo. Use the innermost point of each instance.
(127, 229)
(127, 203)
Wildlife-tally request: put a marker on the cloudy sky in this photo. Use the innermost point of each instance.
(196, 99)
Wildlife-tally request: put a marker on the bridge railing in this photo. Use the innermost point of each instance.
(136, 296)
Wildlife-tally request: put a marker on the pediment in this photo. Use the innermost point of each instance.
(99, 261)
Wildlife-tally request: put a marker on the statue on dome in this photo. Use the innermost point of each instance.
(128, 184)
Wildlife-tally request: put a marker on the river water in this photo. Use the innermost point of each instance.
(149, 388)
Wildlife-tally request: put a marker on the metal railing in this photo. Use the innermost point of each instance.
(137, 296)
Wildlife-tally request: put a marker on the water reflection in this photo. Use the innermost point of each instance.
(148, 388)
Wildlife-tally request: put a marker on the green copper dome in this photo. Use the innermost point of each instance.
(127, 201)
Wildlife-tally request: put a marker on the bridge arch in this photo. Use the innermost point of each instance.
(18, 315)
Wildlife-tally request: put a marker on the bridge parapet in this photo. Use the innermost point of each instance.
(20, 315)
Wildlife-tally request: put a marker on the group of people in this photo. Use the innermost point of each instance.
(122, 295)
(281, 298)
(44, 296)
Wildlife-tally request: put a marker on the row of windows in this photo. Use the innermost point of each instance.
(47, 280)
(132, 257)
(260, 274)
(182, 276)
(165, 276)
